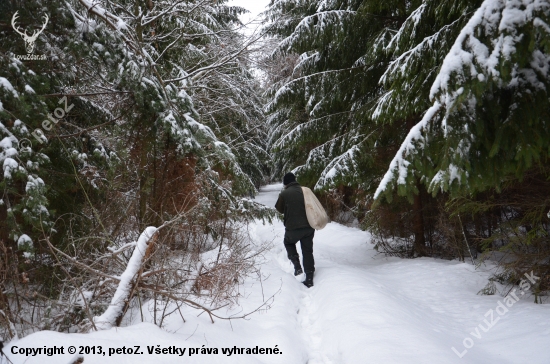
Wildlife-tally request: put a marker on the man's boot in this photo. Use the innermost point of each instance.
(295, 259)
(309, 280)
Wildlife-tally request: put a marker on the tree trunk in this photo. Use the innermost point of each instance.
(143, 189)
(419, 247)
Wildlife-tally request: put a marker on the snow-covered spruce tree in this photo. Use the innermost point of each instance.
(306, 31)
(42, 146)
(488, 118)
(228, 99)
(198, 54)
(129, 152)
(417, 51)
(486, 129)
(50, 161)
(323, 113)
(136, 63)
(341, 131)
(316, 110)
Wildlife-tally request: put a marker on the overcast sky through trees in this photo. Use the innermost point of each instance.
(254, 6)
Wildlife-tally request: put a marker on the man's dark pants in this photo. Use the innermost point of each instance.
(305, 237)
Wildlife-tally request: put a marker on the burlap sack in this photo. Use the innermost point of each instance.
(316, 215)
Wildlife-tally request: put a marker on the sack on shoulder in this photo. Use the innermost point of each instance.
(316, 215)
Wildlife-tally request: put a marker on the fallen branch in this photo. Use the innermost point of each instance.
(114, 313)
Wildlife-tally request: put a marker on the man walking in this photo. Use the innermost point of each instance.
(291, 204)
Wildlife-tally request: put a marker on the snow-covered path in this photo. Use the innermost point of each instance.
(367, 308)
(363, 308)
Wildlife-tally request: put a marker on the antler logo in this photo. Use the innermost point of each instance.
(29, 39)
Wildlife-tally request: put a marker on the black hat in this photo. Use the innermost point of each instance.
(289, 178)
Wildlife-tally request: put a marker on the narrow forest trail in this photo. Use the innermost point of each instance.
(363, 309)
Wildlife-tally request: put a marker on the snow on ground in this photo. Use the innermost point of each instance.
(364, 308)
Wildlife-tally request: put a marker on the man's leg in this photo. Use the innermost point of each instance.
(307, 251)
(290, 246)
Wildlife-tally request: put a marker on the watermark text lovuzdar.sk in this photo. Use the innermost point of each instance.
(501, 310)
(29, 39)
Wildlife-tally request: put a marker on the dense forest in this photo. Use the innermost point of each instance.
(426, 120)
(144, 114)
(152, 124)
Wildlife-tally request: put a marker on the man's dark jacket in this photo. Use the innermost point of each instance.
(291, 204)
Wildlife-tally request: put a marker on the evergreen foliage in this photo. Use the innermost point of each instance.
(136, 72)
(161, 116)
(321, 114)
(452, 95)
(489, 118)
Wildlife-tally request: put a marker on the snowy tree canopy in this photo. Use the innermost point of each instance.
(169, 77)
(489, 113)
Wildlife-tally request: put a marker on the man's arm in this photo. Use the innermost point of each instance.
(280, 205)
